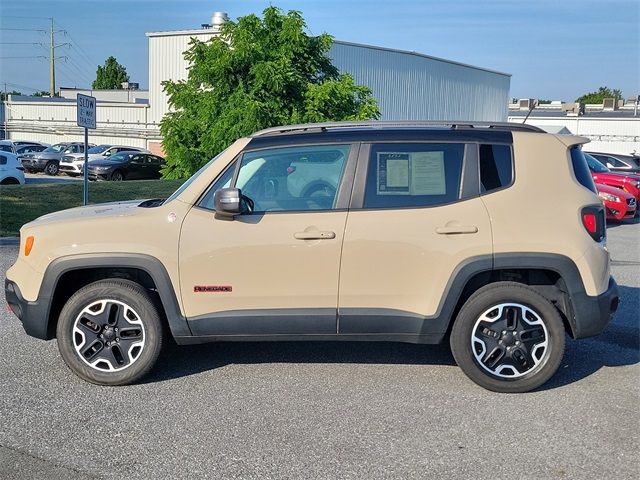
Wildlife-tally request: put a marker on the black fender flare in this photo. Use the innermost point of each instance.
(147, 263)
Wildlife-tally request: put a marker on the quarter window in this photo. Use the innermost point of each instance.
(413, 175)
(496, 167)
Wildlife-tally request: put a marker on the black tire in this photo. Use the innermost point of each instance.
(476, 345)
(117, 176)
(136, 340)
(51, 168)
(10, 181)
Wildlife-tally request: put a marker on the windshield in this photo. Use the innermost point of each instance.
(595, 165)
(58, 147)
(98, 149)
(193, 177)
(120, 157)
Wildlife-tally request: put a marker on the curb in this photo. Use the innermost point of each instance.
(9, 241)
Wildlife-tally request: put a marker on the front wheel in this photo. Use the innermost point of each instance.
(51, 168)
(508, 338)
(117, 176)
(110, 332)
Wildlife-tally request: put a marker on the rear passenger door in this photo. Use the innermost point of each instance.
(415, 219)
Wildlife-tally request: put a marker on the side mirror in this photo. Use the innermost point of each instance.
(228, 202)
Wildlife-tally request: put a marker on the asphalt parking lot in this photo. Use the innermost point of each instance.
(40, 178)
(321, 410)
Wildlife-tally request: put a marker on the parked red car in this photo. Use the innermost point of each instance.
(618, 204)
(628, 182)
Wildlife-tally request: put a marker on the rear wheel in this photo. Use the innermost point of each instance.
(51, 168)
(508, 338)
(110, 332)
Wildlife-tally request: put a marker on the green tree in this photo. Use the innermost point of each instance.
(260, 72)
(600, 95)
(110, 76)
(4, 96)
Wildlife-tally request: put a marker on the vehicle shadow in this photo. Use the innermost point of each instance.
(618, 223)
(179, 361)
(618, 346)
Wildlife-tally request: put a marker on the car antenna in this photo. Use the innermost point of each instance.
(532, 104)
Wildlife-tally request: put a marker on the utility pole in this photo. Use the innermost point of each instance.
(52, 84)
(52, 55)
(4, 112)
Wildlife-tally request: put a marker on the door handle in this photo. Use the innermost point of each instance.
(457, 229)
(314, 235)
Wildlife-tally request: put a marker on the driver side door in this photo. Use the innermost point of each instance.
(273, 270)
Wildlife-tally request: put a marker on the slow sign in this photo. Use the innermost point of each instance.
(86, 111)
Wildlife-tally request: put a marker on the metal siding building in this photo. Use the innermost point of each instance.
(413, 86)
(407, 85)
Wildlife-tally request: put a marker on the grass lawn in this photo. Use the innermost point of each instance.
(20, 204)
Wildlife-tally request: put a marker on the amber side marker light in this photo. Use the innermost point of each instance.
(28, 245)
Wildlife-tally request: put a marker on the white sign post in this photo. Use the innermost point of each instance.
(86, 117)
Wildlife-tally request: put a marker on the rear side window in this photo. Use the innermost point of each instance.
(581, 169)
(496, 167)
(3, 160)
(413, 175)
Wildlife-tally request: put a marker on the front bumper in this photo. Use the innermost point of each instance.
(70, 167)
(592, 314)
(33, 315)
(33, 164)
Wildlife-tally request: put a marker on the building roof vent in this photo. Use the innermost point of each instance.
(217, 19)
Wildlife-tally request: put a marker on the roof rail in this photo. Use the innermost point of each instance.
(310, 127)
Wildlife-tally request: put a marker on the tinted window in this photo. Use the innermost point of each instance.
(293, 178)
(581, 169)
(595, 165)
(3, 160)
(413, 175)
(496, 167)
(5, 148)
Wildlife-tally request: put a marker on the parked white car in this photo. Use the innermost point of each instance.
(11, 171)
(73, 164)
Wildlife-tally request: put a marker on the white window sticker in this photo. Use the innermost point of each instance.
(427, 173)
(393, 173)
(415, 173)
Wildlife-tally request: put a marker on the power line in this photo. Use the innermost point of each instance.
(23, 30)
(74, 41)
(32, 56)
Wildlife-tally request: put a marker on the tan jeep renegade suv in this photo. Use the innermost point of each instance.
(404, 232)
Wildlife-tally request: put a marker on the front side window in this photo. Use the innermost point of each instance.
(496, 168)
(413, 175)
(293, 178)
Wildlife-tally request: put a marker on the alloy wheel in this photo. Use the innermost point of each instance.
(108, 335)
(509, 340)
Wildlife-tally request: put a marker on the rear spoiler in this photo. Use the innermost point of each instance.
(572, 140)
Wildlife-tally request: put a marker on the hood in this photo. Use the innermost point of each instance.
(613, 191)
(102, 210)
(104, 163)
(48, 155)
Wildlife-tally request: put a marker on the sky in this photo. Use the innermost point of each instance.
(554, 49)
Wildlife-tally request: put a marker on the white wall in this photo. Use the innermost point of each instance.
(608, 135)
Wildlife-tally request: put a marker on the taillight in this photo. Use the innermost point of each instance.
(593, 221)
(590, 223)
